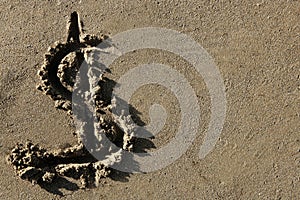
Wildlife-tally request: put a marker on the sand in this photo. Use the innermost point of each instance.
(256, 48)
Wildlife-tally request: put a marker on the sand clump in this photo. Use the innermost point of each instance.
(37, 165)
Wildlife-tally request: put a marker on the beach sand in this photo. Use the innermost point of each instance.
(255, 45)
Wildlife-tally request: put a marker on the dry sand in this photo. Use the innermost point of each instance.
(255, 44)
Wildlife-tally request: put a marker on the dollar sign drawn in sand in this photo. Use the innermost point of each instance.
(58, 75)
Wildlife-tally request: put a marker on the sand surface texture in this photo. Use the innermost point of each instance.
(255, 45)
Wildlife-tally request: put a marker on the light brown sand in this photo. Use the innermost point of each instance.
(255, 44)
